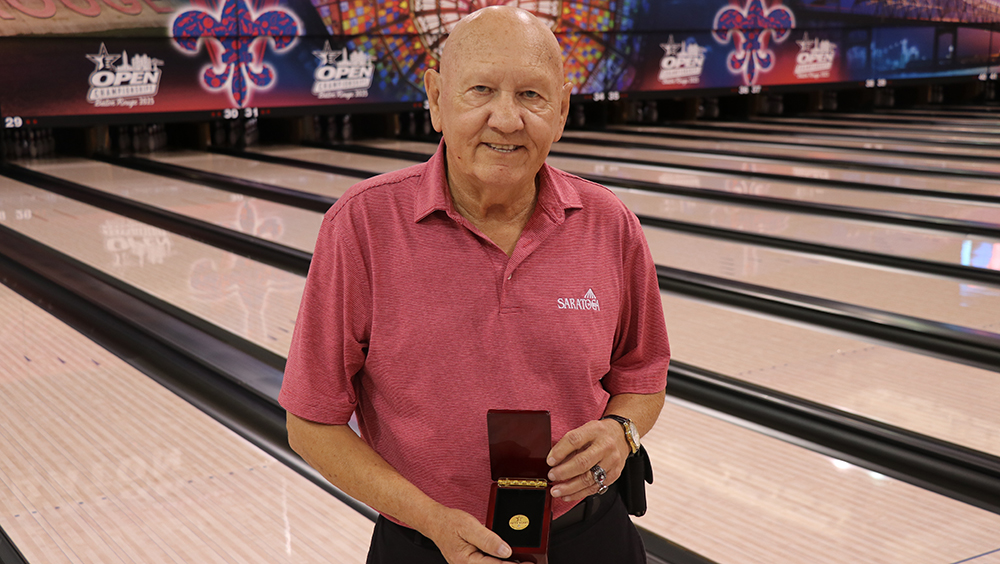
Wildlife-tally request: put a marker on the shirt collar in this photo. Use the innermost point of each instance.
(555, 195)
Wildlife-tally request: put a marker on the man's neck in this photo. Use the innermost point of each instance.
(501, 215)
(512, 205)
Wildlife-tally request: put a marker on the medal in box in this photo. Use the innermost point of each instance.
(520, 508)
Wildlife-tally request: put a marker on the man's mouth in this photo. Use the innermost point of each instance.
(502, 148)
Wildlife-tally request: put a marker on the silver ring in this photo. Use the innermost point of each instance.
(599, 476)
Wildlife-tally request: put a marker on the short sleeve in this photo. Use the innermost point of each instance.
(333, 325)
(641, 352)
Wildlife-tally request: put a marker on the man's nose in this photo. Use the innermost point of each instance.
(505, 114)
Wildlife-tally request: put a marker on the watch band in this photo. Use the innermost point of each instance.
(631, 434)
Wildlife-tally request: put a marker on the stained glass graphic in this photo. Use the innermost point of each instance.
(405, 37)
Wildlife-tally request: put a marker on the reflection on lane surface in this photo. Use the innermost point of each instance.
(323, 183)
(897, 291)
(247, 298)
(795, 190)
(288, 225)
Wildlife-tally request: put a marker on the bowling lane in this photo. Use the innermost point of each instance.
(101, 464)
(979, 112)
(322, 183)
(781, 151)
(601, 160)
(896, 291)
(942, 120)
(738, 497)
(882, 238)
(895, 240)
(344, 159)
(915, 148)
(867, 121)
(287, 225)
(818, 132)
(928, 395)
(247, 298)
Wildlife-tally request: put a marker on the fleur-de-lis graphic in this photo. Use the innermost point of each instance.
(750, 29)
(236, 39)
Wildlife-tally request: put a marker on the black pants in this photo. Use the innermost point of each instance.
(607, 538)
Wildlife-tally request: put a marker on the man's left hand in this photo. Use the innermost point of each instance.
(597, 442)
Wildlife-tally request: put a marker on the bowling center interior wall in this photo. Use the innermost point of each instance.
(68, 62)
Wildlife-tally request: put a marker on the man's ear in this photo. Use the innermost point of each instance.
(567, 90)
(432, 85)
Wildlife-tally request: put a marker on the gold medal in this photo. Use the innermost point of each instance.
(518, 522)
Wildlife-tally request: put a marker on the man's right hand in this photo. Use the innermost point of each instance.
(462, 539)
(351, 465)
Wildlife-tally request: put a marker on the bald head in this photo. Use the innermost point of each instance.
(500, 29)
(500, 101)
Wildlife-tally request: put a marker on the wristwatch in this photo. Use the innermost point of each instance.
(631, 432)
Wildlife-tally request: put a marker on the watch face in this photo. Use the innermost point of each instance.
(634, 433)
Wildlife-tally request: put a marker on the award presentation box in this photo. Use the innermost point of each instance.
(520, 509)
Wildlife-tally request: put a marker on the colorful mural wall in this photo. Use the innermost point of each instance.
(62, 59)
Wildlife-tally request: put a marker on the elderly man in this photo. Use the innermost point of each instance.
(482, 279)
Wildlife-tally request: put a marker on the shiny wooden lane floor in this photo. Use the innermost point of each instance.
(871, 121)
(739, 497)
(819, 132)
(99, 464)
(290, 226)
(247, 298)
(779, 151)
(803, 138)
(736, 174)
(752, 165)
(323, 183)
(913, 391)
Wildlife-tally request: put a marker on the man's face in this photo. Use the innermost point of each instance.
(500, 103)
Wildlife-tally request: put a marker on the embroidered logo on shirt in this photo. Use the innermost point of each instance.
(587, 302)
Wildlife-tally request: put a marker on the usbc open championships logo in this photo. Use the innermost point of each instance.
(682, 63)
(342, 74)
(119, 81)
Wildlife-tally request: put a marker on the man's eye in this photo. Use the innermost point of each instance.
(481, 89)
(531, 94)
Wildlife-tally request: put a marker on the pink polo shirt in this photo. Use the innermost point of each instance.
(415, 320)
